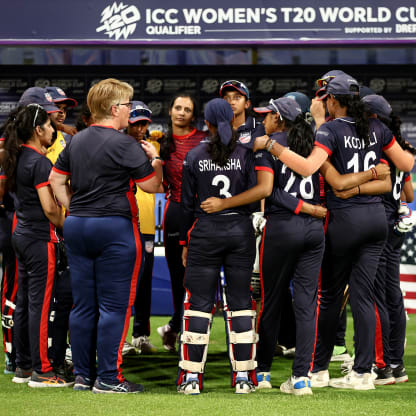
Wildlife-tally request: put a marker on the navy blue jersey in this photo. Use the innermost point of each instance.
(202, 178)
(249, 131)
(104, 165)
(32, 173)
(289, 189)
(349, 155)
(391, 200)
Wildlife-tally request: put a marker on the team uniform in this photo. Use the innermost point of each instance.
(354, 241)
(35, 243)
(172, 179)
(103, 245)
(215, 240)
(291, 249)
(58, 145)
(391, 328)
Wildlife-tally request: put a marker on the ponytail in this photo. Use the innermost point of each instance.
(394, 125)
(220, 152)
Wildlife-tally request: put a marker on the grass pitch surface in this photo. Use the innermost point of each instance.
(158, 374)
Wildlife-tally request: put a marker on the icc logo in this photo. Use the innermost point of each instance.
(119, 20)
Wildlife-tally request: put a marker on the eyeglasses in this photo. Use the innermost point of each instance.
(271, 102)
(129, 104)
(37, 111)
(140, 112)
(235, 84)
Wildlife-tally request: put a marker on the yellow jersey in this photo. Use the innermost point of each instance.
(57, 147)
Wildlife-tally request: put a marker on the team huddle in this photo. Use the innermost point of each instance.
(308, 195)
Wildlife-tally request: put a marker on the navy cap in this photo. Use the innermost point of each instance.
(376, 104)
(139, 111)
(220, 114)
(237, 85)
(287, 107)
(328, 76)
(365, 91)
(303, 100)
(58, 96)
(340, 85)
(38, 95)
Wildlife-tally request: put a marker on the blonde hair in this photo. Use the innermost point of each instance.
(105, 94)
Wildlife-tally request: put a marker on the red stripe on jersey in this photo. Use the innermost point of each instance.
(264, 168)
(101, 125)
(408, 179)
(298, 208)
(384, 161)
(61, 172)
(14, 223)
(145, 178)
(33, 148)
(42, 185)
(390, 144)
(190, 230)
(44, 318)
(322, 146)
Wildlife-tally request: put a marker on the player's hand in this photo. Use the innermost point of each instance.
(382, 170)
(260, 143)
(212, 204)
(149, 149)
(407, 219)
(348, 193)
(258, 221)
(319, 212)
(317, 111)
(184, 255)
(71, 130)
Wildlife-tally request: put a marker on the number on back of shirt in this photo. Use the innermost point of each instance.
(224, 182)
(305, 185)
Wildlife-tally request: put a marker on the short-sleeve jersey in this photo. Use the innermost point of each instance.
(172, 168)
(58, 145)
(349, 154)
(103, 165)
(203, 178)
(248, 131)
(32, 173)
(294, 185)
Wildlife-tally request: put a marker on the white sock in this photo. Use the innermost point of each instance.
(191, 376)
(242, 374)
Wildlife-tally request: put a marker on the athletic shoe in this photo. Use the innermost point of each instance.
(384, 376)
(340, 353)
(319, 379)
(50, 379)
(299, 386)
(169, 337)
(353, 381)
(143, 345)
(68, 354)
(263, 381)
(128, 349)
(21, 375)
(83, 383)
(9, 365)
(123, 387)
(243, 386)
(399, 374)
(65, 371)
(189, 387)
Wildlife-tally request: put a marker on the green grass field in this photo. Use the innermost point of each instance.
(158, 373)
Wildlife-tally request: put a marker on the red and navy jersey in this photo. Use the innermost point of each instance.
(32, 173)
(348, 153)
(203, 178)
(248, 131)
(104, 165)
(391, 200)
(289, 188)
(172, 168)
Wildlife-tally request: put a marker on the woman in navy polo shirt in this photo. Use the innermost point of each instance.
(101, 233)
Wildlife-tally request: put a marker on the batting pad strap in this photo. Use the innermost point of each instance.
(194, 338)
(244, 365)
(10, 304)
(248, 337)
(236, 314)
(191, 366)
(196, 314)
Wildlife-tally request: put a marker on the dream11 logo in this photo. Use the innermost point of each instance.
(119, 20)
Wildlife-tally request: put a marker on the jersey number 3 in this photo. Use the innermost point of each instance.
(223, 180)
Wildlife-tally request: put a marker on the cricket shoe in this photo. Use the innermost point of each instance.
(319, 379)
(143, 345)
(128, 349)
(22, 376)
(123, 387)
(190, 387)
(263, 381)
(353, 381)
(384, 376)
(244, 386)
(299, 386)
(83, 383)
(340, 353)
(49, 379)
(169, 337)
(399, 374)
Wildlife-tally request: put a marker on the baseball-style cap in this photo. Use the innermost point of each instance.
(328, 76)
(287, 107)
(376, 104)
(303, 100)
(139, 111)
(364, 90)
(340, 85)
(58, 96)
(237, 85)
(38, 95)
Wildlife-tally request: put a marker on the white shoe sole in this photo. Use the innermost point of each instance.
(341, 357)
(20, 380)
